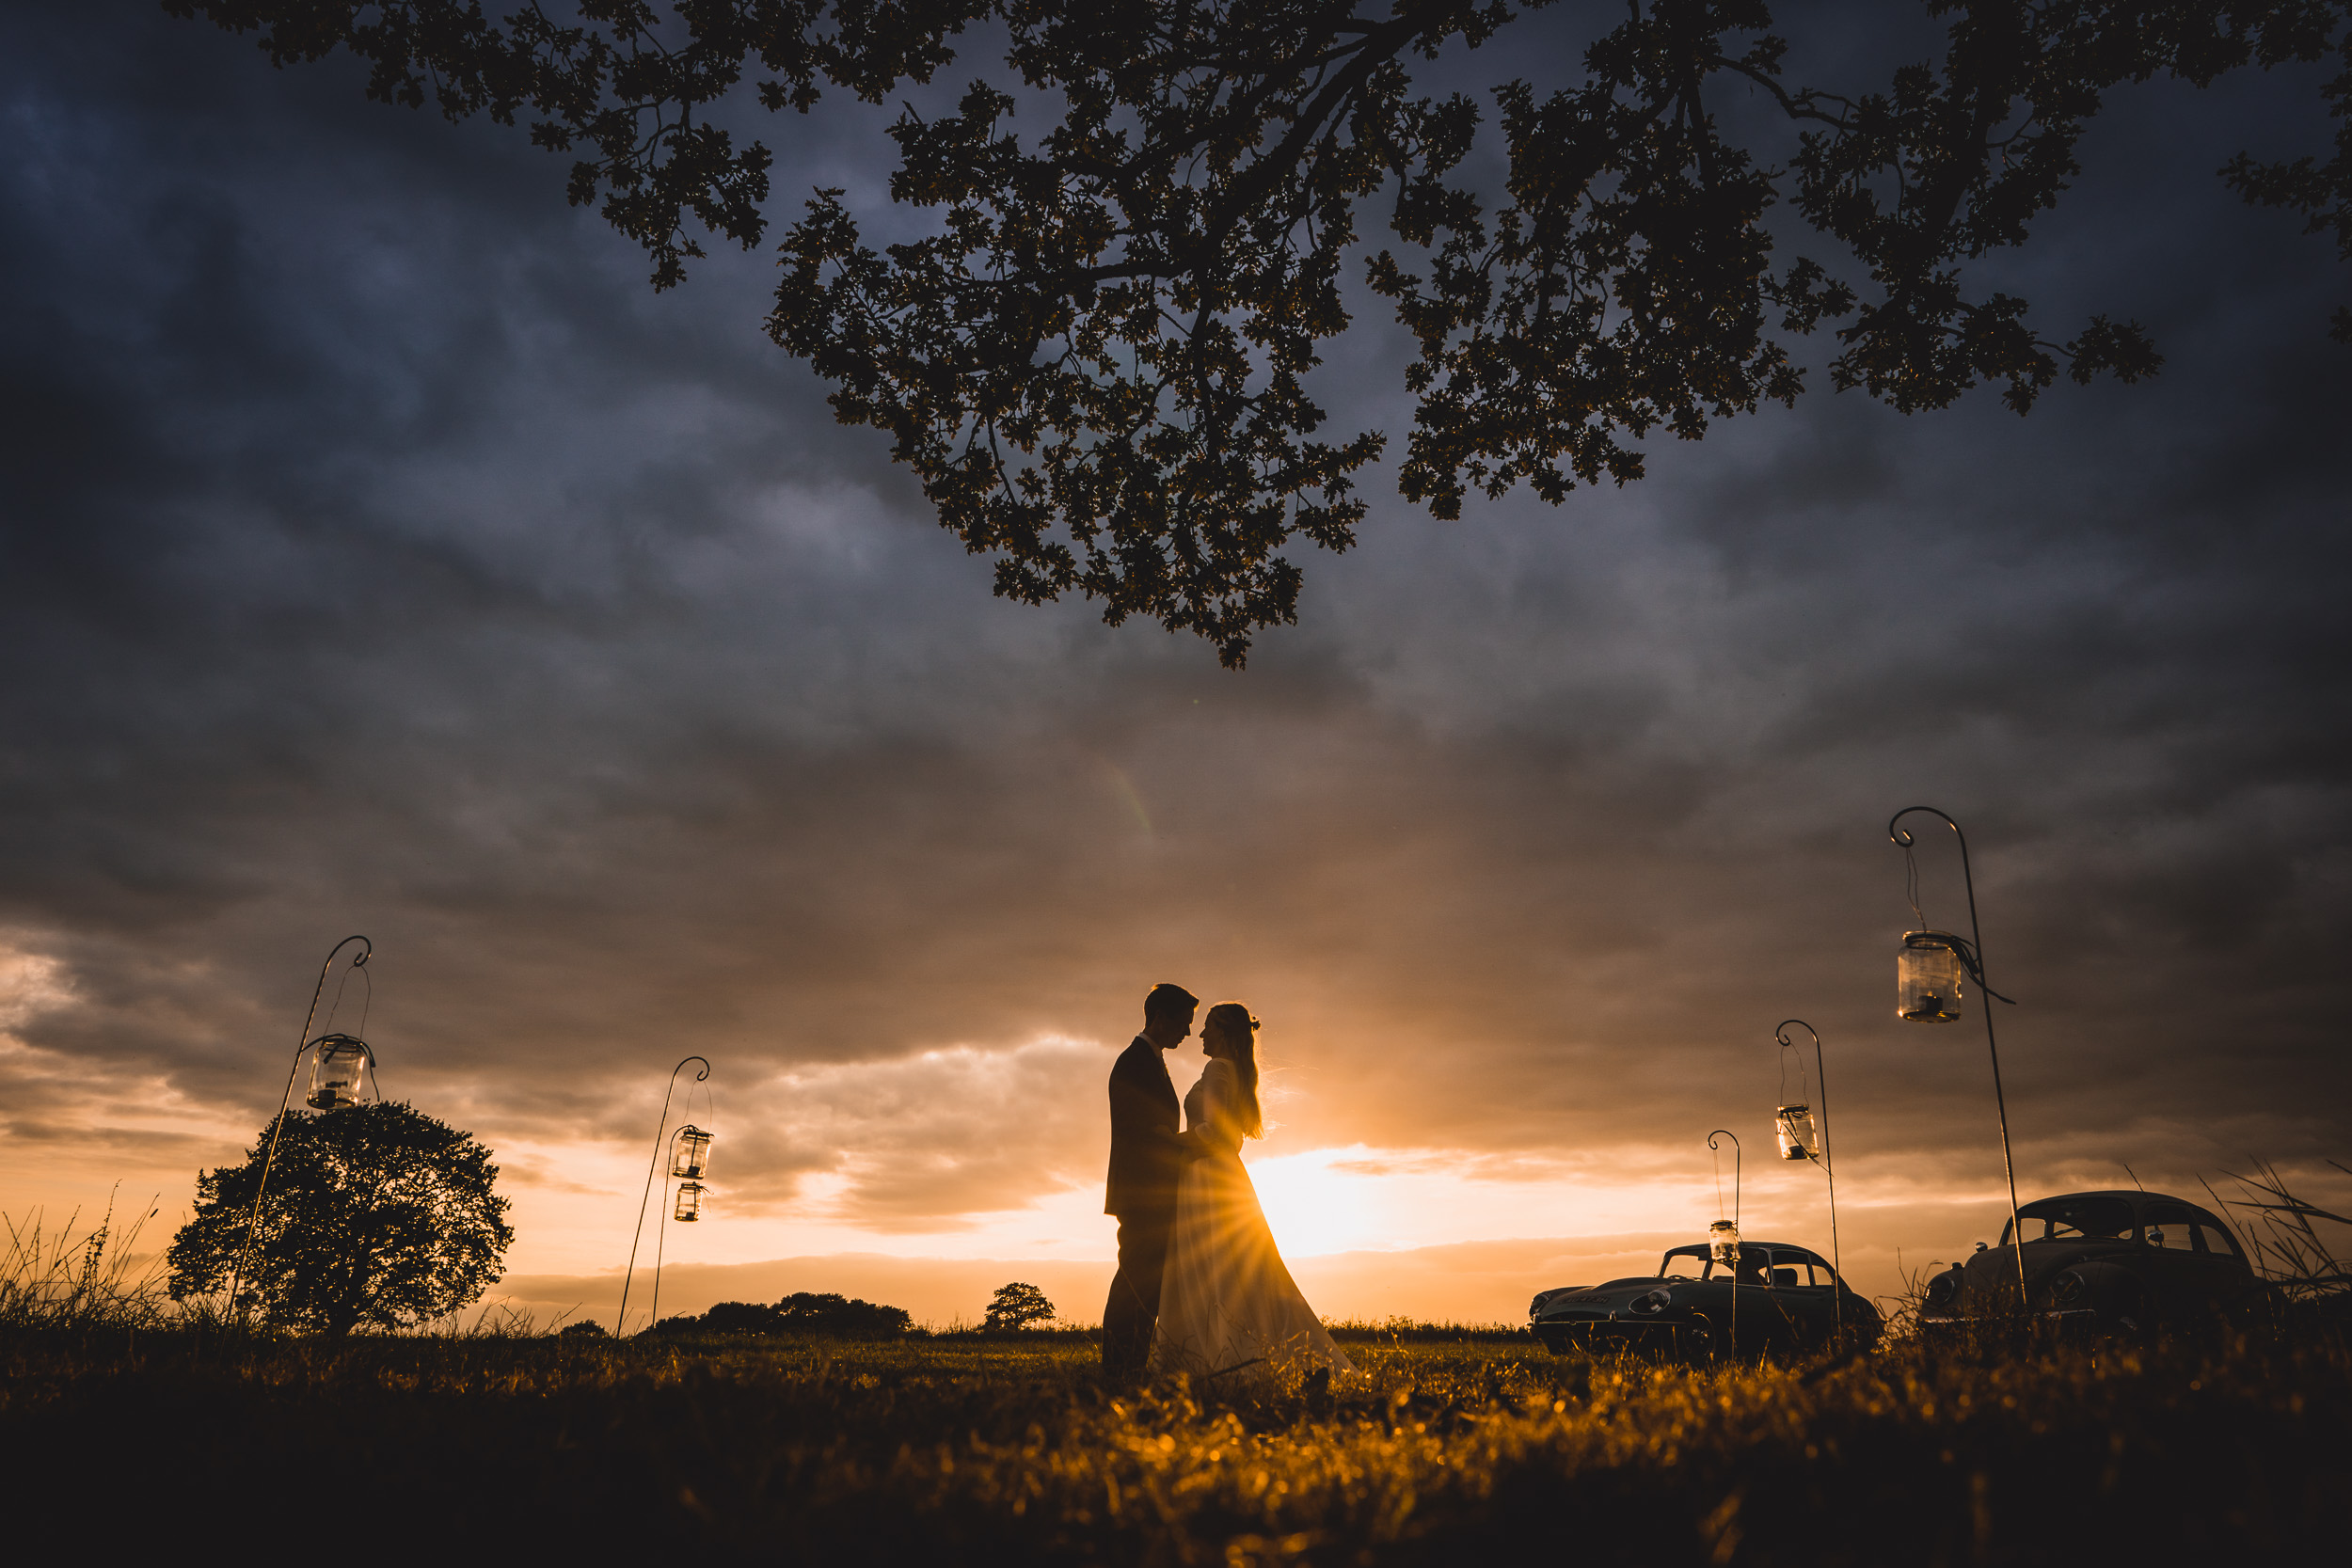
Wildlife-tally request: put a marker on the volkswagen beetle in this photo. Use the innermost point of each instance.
(2109, 1259)
(1785, 1297)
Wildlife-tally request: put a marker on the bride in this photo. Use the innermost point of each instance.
(1227, 1301)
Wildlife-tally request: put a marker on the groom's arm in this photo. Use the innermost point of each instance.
(1135, 1114)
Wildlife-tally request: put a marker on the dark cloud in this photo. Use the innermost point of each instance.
(378, 554)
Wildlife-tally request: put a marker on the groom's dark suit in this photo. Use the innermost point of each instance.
(1145, 1159)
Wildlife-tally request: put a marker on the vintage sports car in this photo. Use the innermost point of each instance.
(1786, 1298)
(2113, 1259)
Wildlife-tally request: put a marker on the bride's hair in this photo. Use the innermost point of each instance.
(1244, 1029)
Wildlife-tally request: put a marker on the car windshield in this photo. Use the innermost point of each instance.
(2076, 1219)
(1756, 1264)
(1682, 1265)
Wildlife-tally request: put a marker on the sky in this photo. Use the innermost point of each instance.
(379, 554)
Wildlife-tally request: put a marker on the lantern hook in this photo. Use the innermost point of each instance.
(1820, 1084)
(278, 1123)
(1967, 951)
(1971, 956)
(620, 1326)
(1736, 1155)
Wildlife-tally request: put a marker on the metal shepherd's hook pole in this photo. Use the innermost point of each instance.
(1820, 1081)
(621, 1325)
(2000, 1103)
(278, 1123)
(1736, 1157)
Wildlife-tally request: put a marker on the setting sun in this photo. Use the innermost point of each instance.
(1311, 1207)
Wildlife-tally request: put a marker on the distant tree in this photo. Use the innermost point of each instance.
(844, 1319)
(587, 1328)
(1094, 351)
(377, 1215)
(741, 1317)
(1016, 1307)
(836, 1317)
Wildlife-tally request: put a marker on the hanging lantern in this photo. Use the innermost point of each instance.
(1927, 977)
(336, 1063)
(1722, 1242)
(690, 1200)
(1800, 1139)
(690, 1153)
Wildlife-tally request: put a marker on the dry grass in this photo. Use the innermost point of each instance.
(1011, 1451)
(77, 1276)
(1459, 1444)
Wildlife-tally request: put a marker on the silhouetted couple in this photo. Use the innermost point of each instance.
(1200, 1286)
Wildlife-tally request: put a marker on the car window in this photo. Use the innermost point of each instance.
(1682, 1265)
(2168, 1226)
(2178, 1228)
(2076, 1219)
(2187, 1231)
(2209, 1237)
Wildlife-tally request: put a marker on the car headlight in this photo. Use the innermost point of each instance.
(1653, 1304)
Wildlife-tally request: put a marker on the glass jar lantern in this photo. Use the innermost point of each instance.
(336, 1063)
(1800, 1137)
(1722, 1242)
(1927, 978)
(690, 1201)
(689, 1155)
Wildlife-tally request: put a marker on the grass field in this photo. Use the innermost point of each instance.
(951, 1450)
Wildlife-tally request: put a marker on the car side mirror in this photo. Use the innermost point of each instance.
(1980, 1246)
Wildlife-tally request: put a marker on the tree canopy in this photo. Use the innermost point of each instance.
(376, 1216)
(1098, 359)
(1015, 1307)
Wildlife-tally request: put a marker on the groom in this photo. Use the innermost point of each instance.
(1147, 1152)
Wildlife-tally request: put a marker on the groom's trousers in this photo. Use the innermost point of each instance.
(1134, 1309)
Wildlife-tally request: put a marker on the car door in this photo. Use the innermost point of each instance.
(1771, 1310)
(1808, 1293)
(2188, 1258)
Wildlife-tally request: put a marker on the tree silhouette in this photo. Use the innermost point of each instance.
(377, 1215)
(1016, 1307)
(802, 1312)
(1096, 359)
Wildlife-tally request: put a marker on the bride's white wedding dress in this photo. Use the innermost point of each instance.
(1227, 1300)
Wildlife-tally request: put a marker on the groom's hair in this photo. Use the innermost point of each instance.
(1165, 1001)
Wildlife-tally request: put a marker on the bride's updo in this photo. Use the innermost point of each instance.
(1243, 1030)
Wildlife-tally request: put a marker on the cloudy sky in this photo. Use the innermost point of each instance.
(378, 554)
